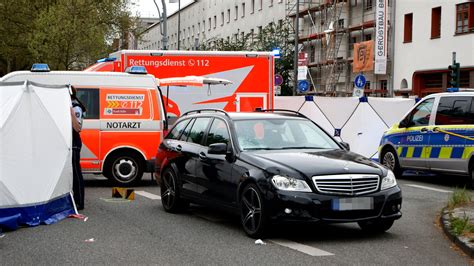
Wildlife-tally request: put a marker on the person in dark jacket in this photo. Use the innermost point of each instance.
(77, 113)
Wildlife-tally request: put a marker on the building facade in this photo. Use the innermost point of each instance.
(328, 31)
(427, 33)
(205, 21)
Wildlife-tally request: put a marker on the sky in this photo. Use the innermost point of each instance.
(147, 8)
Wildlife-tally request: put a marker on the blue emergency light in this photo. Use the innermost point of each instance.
(452, 89)
(40, 67)
(136, 70)
(276, 53)
(107, 59)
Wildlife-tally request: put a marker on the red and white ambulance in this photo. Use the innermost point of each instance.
(251, 75)
(123, 124)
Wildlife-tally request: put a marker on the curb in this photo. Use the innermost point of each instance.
(461, 242)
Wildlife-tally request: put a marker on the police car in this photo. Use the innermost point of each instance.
(436, 135)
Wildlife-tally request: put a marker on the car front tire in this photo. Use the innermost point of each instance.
(390, 160)
(376, 226)
(171, 192)
(252, 212)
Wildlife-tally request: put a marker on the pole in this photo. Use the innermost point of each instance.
(392, 50)
(179, 22)
(297, 26)
(163, 25)
(454, 58)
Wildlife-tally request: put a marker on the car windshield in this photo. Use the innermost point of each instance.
(277, 134)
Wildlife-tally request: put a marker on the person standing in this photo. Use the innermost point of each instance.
(77, 113)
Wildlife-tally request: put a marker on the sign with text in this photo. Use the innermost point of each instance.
(363, 56)
(381, 37)
(302, 72)
(302, 59)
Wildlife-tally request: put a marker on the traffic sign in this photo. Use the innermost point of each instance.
(303, 85)
(278, 80)
(360, 81)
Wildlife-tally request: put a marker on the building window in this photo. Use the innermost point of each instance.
(236, 12)
(210, 23)
(436, 22)
(243, 9)
(252, 6)
(261, 4)
(280, 23)
(340, 23)
(271, 3)
(251, 34)
(465, 17)
(259, 29)
(383, 85)
(368, 4)
(228, 15)
(408, 28)
(215, 22)
(368, 37)
(367, 85)
(222, 18)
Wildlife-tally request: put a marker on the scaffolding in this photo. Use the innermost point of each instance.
(328, 30)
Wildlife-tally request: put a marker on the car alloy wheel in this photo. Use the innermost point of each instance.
(170, 192)
(252, 215)
(389, 160)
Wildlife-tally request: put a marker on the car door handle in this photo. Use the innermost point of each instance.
(424, 130)
(202, 156)
(179, 148)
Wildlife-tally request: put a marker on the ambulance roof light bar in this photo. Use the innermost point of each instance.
(140, 70)
(107, 59)
(40, 67)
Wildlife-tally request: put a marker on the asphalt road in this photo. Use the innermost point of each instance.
(140, 232)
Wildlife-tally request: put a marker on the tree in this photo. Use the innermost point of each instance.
(271, 37)
(66, 34)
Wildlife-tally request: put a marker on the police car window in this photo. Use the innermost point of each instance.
(177, 130)
(420, 116)
(218, 133)
(197, 131)
(454, 111)
(90, 98)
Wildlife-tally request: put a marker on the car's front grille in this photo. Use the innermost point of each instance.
(348, 184)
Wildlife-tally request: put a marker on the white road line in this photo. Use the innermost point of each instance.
(315, 252)
(429, 188)
(148, 195)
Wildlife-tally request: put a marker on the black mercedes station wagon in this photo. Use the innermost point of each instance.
(272, 166)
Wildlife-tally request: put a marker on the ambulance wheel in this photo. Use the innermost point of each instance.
(124, 169)
(390, 160)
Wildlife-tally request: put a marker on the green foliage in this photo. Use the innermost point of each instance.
(458, 198)
(271, 37)
(66, 34)
(461, 225)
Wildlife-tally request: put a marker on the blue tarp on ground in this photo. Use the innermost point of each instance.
(45, 213)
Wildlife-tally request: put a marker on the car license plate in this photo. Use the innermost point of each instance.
(350, 204)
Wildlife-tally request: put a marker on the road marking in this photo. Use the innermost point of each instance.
(148, 195)
(430, 188)
(312, 251)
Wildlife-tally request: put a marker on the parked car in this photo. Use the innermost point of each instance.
(272, 166)
(437, 135)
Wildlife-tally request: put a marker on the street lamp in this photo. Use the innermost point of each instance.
(163, 23)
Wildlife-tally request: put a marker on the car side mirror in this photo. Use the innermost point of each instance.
(217, 148)
(345, 145)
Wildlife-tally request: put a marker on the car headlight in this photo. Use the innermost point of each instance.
(388, 181)
(290, 184)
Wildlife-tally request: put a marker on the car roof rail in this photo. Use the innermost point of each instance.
(206, 110)
(280, 110)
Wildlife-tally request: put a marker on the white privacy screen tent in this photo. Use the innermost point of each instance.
(360, 122)
(35, 154)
